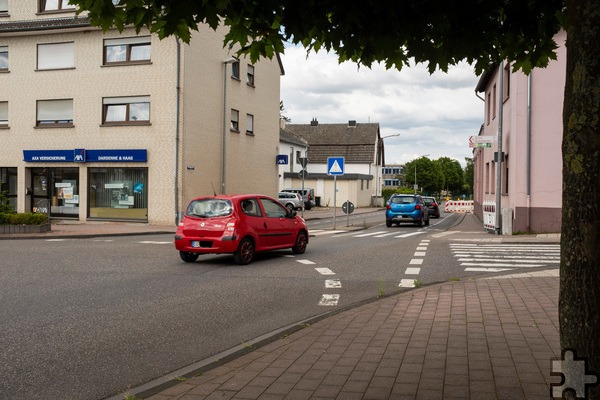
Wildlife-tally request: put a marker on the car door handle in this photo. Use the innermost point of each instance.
(265, 224)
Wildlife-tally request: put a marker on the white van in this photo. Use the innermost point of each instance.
(308, 195)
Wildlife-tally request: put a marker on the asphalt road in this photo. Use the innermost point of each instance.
(89, 318)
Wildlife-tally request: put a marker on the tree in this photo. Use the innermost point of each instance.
(5, 206)
(453, 174)
(428, 173)
(440, 33)
(468, 176)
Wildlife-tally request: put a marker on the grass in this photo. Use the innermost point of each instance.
(130, 397)
(380, 288)
(418, 283)
(453, 279)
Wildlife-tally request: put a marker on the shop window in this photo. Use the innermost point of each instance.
(3, 58)
(54, 113)
(133, 50)
(118, 193)
(56, 55)
(235, 120)
(249, 124)
(3, 114)
(250, 75)
(3, 7)
(55, 6)
(133, 110)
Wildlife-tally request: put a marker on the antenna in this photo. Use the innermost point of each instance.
(213, 188)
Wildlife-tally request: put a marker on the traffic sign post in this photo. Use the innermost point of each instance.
(348, 208)
(335, 167)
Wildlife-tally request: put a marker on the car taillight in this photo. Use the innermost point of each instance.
(388, 207)
(231, 226)
(418, 207)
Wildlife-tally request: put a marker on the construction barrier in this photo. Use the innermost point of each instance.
(460, 206)
(489, 215)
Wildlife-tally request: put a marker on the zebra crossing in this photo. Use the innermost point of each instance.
(361, 234)
(498, 257)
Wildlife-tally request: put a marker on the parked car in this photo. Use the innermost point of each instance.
(433, 205)
(308, 195)
(406, 208)
(238, 224)
(292, 201)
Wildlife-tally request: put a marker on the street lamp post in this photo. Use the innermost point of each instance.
(229, 60)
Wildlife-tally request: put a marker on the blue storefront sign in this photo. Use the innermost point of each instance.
(82, 155)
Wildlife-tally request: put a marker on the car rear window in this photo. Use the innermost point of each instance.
(209, 208)
(428, 200)
(403, 200)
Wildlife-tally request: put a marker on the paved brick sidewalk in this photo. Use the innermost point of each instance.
(484, 339)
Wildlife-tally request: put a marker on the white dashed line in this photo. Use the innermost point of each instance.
(325, 271)
(407, 283)
(409, 234)
(307, 262)
(329, 300)
(333, 284)
(416, 261)
(412, 271)
(419, 254)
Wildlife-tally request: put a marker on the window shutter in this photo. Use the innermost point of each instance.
(56, 55)
(55, 110)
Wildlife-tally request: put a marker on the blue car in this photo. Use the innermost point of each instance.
(406, 208)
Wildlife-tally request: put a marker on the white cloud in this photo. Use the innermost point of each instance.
(434, 114)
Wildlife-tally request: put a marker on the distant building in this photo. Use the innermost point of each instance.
(124, 126)
(531, 179)
(361, 147)
(293, 148)
(392, 176)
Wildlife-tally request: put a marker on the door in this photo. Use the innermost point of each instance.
(40, 195)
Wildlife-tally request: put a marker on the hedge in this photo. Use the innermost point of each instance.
(23, 219)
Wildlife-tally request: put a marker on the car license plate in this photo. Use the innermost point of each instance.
(195, 243)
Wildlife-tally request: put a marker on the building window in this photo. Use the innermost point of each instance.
(55, 5)
(235, 70)
(3, 58)
(3, 6)
(250, 75)
(8, 183)
(56, 55)
(488, 103)
(249, 124)
(55, 113)
(133, 110)
(127, 50)
(494, 105)
(3, 114)
(235, 120)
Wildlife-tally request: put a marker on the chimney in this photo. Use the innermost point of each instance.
(352, 123)
(314, 122)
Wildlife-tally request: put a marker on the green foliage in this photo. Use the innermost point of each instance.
(430, 176)
(432, 32)
(469, 177)
(12, 218)
(453, 173)
(5, 206)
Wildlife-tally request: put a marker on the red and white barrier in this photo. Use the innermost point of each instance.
(489, 214)
(460, 206)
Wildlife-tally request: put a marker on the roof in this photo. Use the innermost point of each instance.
(44, 24)
(288, 137)
(357, 144)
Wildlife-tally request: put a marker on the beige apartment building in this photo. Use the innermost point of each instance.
(124, 126)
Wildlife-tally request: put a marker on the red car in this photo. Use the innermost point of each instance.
(239, 224)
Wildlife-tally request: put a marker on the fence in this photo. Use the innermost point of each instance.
(489, 214)
(459, 206)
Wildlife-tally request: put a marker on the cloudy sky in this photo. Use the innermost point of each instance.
(433, 114)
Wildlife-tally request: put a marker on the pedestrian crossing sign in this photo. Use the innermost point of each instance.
(335, 166)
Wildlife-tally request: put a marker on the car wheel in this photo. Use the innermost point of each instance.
(388, 223)
(289, 206)
(420, 223)
(245, 252)
(188, 256)
(301, 242)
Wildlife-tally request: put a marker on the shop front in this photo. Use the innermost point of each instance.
(112, 193)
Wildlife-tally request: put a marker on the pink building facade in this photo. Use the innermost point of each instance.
(531, 173)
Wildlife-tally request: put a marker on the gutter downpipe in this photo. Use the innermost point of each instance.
(177, 106)
(528, 153)
(498, 223)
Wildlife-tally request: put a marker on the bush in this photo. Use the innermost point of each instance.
(23, 219)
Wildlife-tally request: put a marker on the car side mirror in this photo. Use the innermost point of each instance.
(291, 213)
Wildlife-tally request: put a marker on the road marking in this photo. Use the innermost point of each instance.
(386, 234)
(422, 248)
(412, 271)
(419, 254)
(306, 262)
(416, 261)
(531, 260)
(491, 264)
(407, 283)
(325, 271)
(329, 300)
(370, 234)
(153, 242)
(322, 232)
(333, 284)
(55, 240)
(487, 269)
(409, 234)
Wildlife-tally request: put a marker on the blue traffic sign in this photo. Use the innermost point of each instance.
(282, 159)
(335, 166)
